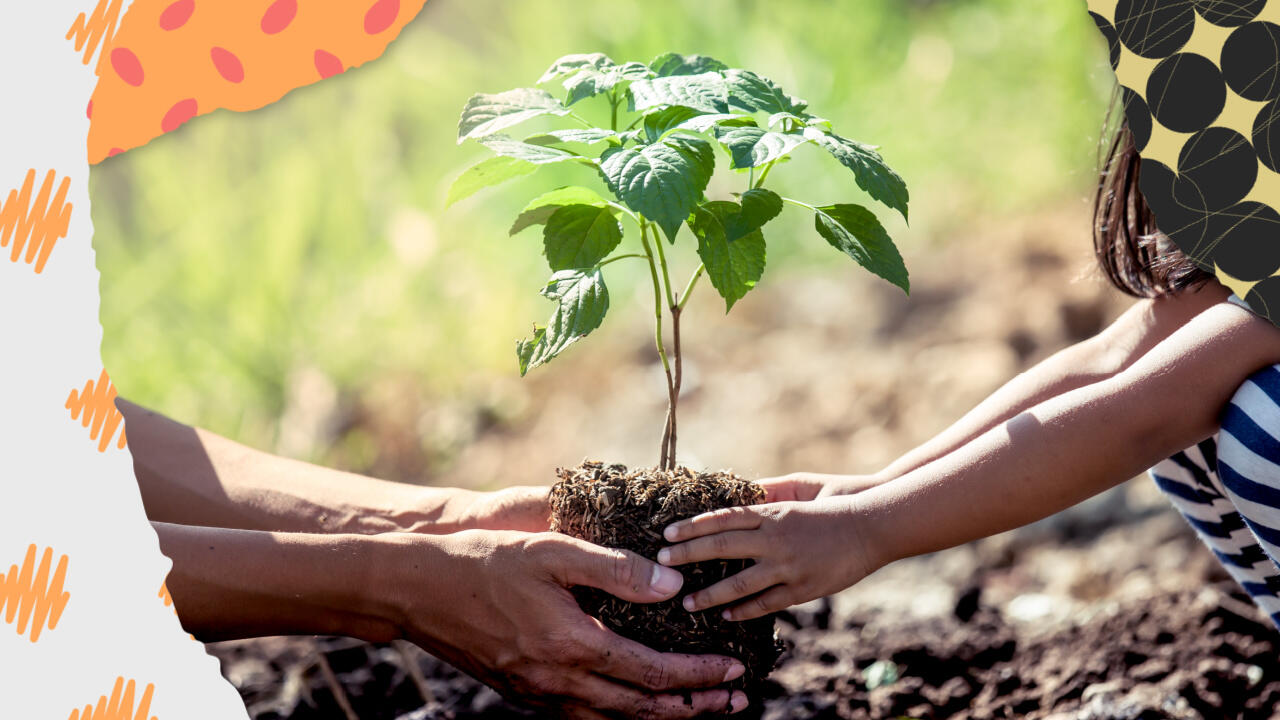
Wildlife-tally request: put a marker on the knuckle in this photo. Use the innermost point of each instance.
(760, 603)
(720, 543)
(646, 708)
(739, 584)
(626, 570)
(656, 677)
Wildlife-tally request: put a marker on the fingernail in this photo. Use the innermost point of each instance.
(738, 702)
(665, 580)
(664, 556)
(726, 615)
(671, 533)
(688, 603)
(734, 672)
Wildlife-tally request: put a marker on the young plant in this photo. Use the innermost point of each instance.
(656, 158)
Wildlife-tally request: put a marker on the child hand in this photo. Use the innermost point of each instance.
(803, 551)
(802, 486)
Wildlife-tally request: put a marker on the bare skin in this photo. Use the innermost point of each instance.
(1077, 424)
(262, 545)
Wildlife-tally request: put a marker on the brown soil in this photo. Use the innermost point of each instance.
(1136, 622)
(609, 506)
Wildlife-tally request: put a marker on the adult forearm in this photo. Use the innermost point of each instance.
(243, 583)
(191, 476)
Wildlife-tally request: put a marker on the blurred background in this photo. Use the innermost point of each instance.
(290, 278)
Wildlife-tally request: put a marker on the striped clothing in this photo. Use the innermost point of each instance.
(1228, 488)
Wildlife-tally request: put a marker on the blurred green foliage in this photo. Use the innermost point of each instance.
(312, 233)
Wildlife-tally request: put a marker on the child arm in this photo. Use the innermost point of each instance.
(1040, 461)
(1140, 328)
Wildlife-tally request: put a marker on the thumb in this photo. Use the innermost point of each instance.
(620, 573)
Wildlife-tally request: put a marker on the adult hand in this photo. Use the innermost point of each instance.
(497, 605)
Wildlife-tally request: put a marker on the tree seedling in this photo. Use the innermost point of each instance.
(655, 159)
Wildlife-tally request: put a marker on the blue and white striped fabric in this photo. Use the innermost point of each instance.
(1228, 488)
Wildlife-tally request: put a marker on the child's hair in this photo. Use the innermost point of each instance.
(1134, 255)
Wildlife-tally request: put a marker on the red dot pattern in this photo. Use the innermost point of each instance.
(227, 64)
(177, 15)
(278, 16)
(327, 64)
(127, 66)
(171, 60)
(182, 111)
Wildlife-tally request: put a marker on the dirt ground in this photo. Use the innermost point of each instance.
(1111, 610)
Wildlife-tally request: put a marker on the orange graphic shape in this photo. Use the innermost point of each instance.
(29, 596)
(95, 405)
(119, 706)
(35, 224)
(170, 61)
(97, 29)
(164, 595)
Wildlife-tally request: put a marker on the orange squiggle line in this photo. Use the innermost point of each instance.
(98, 402)
(164, 595)
(98, 28)
(119, 706)
(36, 599)
(38, 225)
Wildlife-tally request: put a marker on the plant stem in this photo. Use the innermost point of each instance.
(664, 459)
(666, 277)
(616, 258)
(675, 392)
(764, 173)
(688, 288)
(613, 109)
(581, 119)
(797, 203)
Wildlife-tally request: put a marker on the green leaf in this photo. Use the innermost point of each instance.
(540, 208)
(582, 301)
(677, 64)
(759, 206)
(587, 136)
(536, 154)
(753, 92)
(659, 123)
(734, 264)
(570, 64)
(579, 236)
(590, 82)
(487, 114)
(869, 169)
(855, 231)
(753, 146)
(662, 181)
(678, 117)
(706, 92)
(489, 172)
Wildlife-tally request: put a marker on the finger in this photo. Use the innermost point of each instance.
(791, 488)
(644, 667)
(732, 545)
(733, 518)
(620, 573)
(753, 580)
(779, 597)
(606, 695)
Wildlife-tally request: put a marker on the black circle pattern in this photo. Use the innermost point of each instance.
(1109, 34)
(1154, 28)
(1138, 117)
(1186, 92)
(1251, 61)
(1229, 13)
(1206, 204)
